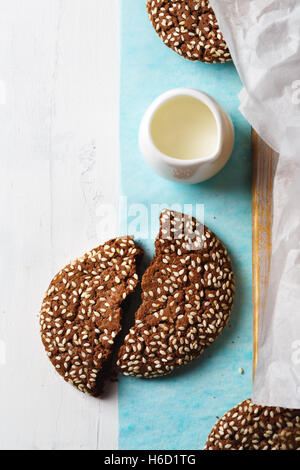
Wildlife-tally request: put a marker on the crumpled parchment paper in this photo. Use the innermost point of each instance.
(264, 39)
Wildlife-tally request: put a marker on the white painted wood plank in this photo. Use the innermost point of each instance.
(58, 166)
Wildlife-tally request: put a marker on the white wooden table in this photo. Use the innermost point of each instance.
(58, 156)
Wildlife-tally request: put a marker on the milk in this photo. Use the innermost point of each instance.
(185, 128)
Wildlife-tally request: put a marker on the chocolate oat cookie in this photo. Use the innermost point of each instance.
(186, 302)
(81, 312)
(190, 28)
(253, 427)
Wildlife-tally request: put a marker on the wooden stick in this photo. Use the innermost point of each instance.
(264, 166)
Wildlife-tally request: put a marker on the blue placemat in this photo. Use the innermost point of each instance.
(177, 412)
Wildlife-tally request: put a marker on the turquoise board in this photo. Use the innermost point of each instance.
(178, 411)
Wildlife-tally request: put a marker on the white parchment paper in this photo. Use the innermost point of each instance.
(264, 39)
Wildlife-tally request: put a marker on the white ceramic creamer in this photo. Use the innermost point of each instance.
(186, 136)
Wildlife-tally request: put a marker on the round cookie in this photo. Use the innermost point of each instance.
(190, 28)
(81, 313)
(253, 427)
(187, 298)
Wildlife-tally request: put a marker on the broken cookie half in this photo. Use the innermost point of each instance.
(187, 299)
(82, 311)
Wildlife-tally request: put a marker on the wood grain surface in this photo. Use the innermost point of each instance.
(59, 84)
(264, 166)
